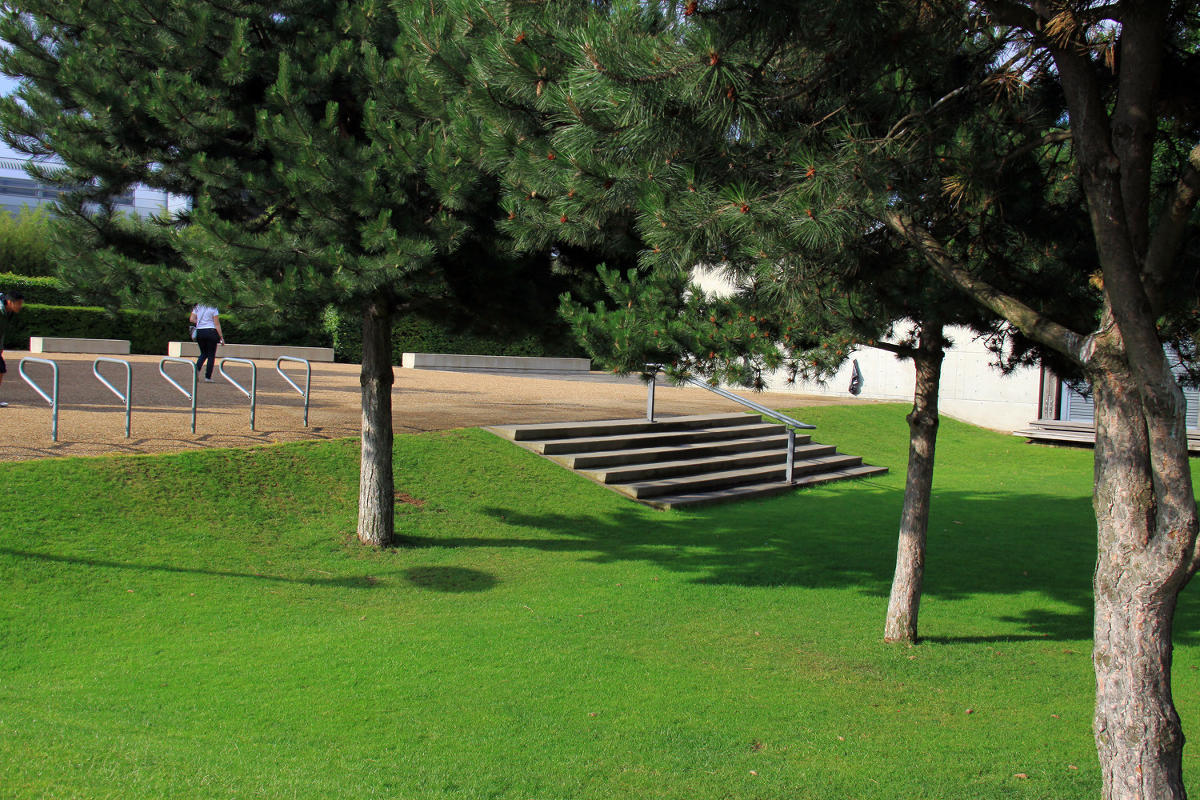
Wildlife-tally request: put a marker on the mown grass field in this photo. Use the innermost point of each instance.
(204, 625)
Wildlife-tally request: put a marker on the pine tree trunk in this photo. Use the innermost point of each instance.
(905, 599)
(376, 487)
(1146, 533)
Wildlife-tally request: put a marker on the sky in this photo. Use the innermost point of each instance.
(7, 85)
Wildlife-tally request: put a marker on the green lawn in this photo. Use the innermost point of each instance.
(203, 625)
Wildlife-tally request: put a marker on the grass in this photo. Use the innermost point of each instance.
(203, 625)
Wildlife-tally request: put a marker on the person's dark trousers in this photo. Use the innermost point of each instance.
(207, 339)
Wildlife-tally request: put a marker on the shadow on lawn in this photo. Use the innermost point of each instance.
(344, 582)
(979, 544)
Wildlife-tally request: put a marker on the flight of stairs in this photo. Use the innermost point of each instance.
(688, 460)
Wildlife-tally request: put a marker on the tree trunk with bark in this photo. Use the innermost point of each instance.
(905, 600)
(1146, 530)
(376, 485)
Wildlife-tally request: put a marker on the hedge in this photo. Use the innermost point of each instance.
(43, 290)
(416, 335)
(149, 331)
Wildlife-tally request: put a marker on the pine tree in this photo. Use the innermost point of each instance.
(316, 165)
(1039, 158)
(672, 123)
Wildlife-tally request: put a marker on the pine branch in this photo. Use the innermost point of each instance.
(1161, 264)
(1029, 321)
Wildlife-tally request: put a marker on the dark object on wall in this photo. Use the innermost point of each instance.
(856, 380)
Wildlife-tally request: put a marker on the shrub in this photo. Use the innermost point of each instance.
(412, 334)
(26, 241)
(37, 289)
(149, 331)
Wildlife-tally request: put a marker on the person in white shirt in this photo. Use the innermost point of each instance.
(207, 320)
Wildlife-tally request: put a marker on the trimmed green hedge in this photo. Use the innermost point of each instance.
(43, 290)
(416, 335)
(149, 332)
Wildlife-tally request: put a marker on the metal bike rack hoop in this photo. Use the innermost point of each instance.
(124, 398)
(189, 395)
(252, 393)
(307, 379)
(52, 398)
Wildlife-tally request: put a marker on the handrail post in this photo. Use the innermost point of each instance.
(253, 393)
(51, 399)
(189, 395)
(125, 398)
(653, 369)
(791, 454)
(307, 379)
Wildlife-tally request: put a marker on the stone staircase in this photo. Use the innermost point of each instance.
(675, 462)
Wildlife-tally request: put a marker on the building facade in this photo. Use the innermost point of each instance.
(19, 191)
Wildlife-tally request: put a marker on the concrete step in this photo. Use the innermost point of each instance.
(695, 466)
(616, 427)
(750, 491)
(669, 438)
(641, 490)
(643, 455)
(687, 460)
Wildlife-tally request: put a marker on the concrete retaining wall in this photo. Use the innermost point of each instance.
(58, 344)
(265, 352)
(448, 361)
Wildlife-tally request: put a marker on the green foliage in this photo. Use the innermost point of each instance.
(26, 241)
(39, 289)
(723, 139)
(149, 331)
(412, 334)
(548, 638)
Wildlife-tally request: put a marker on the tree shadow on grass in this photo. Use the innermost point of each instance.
(340, 582)
(450, 579)
(980, 544)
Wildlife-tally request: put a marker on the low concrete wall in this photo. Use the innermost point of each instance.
(58, 344)
(448, 361)
(264, 352)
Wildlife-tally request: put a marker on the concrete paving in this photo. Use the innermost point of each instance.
(92, 419)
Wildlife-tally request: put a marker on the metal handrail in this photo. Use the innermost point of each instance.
(791, 423)
(125, 398)
(307, 379)
(189, 395)
(252, 393)
(654, 369)
(52, 400)
(769, 412)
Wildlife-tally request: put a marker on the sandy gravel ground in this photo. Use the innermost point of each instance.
(91, 419)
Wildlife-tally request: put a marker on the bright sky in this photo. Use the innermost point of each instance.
(7, 85)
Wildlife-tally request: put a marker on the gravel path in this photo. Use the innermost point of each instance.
(92, 420)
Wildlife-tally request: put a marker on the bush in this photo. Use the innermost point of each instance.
(148, 331)
(44, 290)
(415, 335)
(25, 241)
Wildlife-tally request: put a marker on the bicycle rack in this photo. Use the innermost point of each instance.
(253, 393)
(51, 399)
(307, 379)
(189, 395)
(124, 398)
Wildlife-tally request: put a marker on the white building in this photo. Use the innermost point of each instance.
(971, 388)
(18, 191)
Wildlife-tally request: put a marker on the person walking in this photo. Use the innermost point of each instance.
(207, 320)
(11, 304)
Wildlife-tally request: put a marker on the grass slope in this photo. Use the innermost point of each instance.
(202, 625)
